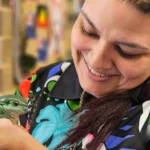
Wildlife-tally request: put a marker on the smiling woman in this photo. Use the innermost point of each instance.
(101, 99)
(111, 47)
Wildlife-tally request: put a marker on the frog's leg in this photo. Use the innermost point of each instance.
(4, 116)
(14, 121)
(8, 117)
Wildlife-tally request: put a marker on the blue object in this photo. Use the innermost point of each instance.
(30, 26)
(42, 50)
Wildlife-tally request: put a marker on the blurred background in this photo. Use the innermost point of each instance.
(33, 33)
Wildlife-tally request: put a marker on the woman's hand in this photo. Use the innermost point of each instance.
(15, 138)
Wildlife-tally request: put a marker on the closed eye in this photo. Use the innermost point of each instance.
(125, 55)
(88, 34)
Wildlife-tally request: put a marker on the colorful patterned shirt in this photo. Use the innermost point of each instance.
(53, 94)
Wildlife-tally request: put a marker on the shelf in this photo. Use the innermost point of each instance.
(5, 3)
(8, 92)
(5, 9)
(6, 38)
(6, 66)
(7, 85)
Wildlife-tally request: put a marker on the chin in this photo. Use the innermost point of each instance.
(96, 92)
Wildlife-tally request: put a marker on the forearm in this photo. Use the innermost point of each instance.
(32, 144)
(15, 138)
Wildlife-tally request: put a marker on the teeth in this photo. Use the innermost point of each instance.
(97, 73)
(104, 75)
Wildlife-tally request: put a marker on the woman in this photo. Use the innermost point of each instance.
(111, 55)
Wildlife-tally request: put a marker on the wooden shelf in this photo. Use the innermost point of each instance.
(12, 91)
(5, 9)
(5, 66)
(6, 45)
(6, 38)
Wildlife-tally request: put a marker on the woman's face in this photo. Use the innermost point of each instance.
(111, 46)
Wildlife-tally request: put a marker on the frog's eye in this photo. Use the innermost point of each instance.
(15, 103)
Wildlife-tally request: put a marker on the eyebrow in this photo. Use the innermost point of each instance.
(132, 45)
(128, 44)
(88, 20)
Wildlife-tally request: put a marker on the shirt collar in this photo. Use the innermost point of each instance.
(68, 86)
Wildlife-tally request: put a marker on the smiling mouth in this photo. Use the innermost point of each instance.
(96, 73)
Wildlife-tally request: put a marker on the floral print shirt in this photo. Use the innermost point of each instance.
(53, 94)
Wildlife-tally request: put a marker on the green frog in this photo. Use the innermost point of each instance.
(11, 106)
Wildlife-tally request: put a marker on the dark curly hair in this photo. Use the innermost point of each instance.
(104, 114)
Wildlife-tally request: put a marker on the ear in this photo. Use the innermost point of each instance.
(140, 93)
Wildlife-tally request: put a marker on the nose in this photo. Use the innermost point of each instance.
(101, 57)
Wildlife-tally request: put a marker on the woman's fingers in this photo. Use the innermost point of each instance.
(10, 134)
(14, 138)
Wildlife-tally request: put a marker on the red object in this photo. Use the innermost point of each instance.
(42, 24)
(42, 17)
(27, 126)
(24, 88)
(32, 73)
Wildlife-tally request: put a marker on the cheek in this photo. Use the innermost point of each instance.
(129, 71)
(79, 41)
(133, 72)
